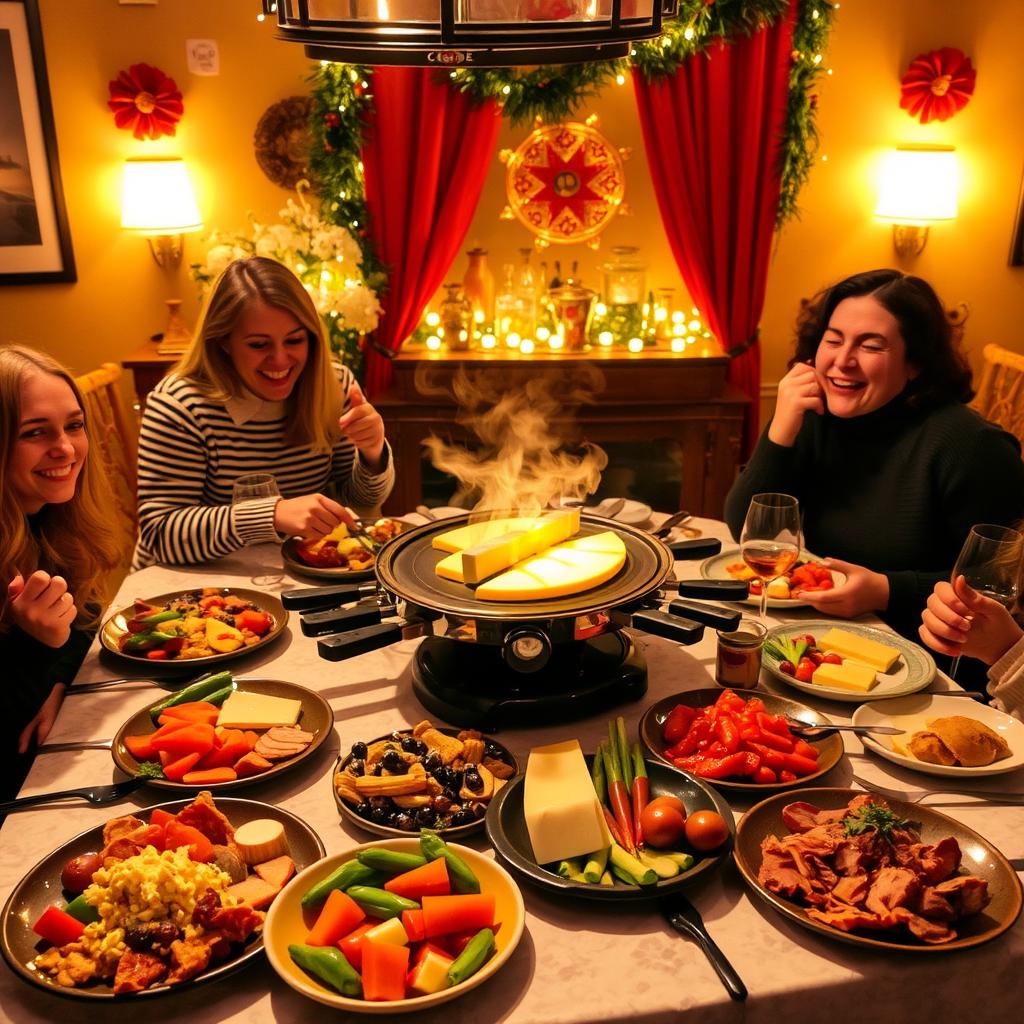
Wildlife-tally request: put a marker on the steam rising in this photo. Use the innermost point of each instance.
(526, 457)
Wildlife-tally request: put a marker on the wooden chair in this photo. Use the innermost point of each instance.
(1000, 397)
(113, 434)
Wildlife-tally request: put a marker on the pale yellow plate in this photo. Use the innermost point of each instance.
(286, 925)
(913, 714)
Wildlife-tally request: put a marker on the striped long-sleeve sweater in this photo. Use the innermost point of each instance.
(191, 451)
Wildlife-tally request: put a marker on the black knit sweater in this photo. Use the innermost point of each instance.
(896, 490)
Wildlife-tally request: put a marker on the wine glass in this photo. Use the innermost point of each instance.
(253, 486)
(990, 563)
(770, 541)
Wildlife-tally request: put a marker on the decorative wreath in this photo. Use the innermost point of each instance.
(937, 85)
(146, 101)
(283, 140)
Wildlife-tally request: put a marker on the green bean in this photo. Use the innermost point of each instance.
(473, 957)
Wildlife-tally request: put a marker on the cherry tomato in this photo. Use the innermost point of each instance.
(662, 826)
(668, 801)
(809, 637)
(832, 659)
(77, 874)
(706, 830)
(805, 670)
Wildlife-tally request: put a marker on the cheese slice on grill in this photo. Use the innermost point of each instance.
(476, 533)
(490, 557)
(566, 568)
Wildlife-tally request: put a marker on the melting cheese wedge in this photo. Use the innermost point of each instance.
(567, 568)
(486, 559)
(881, 657)
(476, 533)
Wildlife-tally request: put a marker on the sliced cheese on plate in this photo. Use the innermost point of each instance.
(261, 840)
(881, 657)
(848, 676)
(258, 711)
(562, 813)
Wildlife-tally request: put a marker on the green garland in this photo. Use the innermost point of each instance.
(342, 96)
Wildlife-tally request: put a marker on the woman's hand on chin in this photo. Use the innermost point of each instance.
(42, 607)
(958, 620)
(799, 393)
(311, 516)
(864, 591)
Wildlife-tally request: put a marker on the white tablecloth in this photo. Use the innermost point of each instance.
(578, 962)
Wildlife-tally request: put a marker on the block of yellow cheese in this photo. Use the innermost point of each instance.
(450, 567)
(563, 816)
(258, 711)
(848, 676)
(881, 657)
(476, 533)
(491, 556)
(567, 568)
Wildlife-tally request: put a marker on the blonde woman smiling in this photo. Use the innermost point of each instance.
(256, 392)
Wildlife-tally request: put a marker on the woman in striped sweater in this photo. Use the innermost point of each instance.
(256, 392)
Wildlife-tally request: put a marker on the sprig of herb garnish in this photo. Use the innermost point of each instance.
(151, 770)
(876, 817)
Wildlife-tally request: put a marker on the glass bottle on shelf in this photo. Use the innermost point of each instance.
(506, 305)
(526, 295)
(478, 285)
(456, 318)
(624, 277)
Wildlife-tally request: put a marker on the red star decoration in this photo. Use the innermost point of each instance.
(146, 101)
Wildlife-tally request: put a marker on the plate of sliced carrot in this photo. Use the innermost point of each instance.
(209, 740)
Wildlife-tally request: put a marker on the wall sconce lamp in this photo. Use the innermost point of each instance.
(918, 186)
(159, 203)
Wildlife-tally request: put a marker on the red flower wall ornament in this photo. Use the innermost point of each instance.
(937, 84)
(146, 101)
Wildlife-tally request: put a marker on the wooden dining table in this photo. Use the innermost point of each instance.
(579, 962)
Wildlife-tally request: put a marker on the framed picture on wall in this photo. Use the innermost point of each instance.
(35, 244)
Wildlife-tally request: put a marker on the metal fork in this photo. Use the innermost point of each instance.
(93, 794)
(671, 523)
(915, 796)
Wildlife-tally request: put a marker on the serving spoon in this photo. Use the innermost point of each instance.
(799, 726)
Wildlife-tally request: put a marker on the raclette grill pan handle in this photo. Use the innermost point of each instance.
(711, 615)
(304, 599)
(336, 620)
(361, 641)
(671, 627)
(698, 547)
(714, 590)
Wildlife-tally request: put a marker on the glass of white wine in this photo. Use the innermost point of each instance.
(990, 564)
(770, 541)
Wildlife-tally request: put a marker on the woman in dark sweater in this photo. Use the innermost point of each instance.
(872, 434)
(56, 550)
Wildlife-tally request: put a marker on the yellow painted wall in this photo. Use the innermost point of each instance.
(116, 303)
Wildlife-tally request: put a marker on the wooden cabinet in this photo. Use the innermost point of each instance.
(148, 367)
(670, 422)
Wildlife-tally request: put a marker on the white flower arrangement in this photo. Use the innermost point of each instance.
(325, 257)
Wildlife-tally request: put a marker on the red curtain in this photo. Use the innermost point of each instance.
(425, 158)
(712, 132)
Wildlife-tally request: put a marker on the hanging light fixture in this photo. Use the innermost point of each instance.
(470, 33)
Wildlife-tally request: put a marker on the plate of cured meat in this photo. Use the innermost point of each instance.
(877, 872)
(340, 555)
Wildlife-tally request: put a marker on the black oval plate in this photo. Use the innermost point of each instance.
(458, 832)
(116, 625)
(41, 888)
(506, 829)
(830, 748)
(317, 717)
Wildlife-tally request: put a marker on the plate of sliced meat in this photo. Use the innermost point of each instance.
(876, 872)
(262, 727)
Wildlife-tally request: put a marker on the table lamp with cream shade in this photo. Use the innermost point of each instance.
(158, 202)
(917, 186)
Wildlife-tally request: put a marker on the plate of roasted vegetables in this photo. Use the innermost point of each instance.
(220, 733)
(808, 574)
(395, 925)
(340, 554)
(739, 739)
(199, 627)
(648, 828)
(877, 872)
(425, 776)
(145, 906)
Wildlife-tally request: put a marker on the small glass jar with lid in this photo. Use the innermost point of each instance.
(625, 277)
(456, 318)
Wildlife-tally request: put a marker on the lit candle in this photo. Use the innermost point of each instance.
(605, 338)
(556, 341)
(678, 344)
(526, 346)
(433, 319)
(433, 343)
(512, 340)
(636, 345)
(488, 341)
(543, 334)
(694, 325)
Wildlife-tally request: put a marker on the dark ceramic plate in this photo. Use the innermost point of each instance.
(316, 717)
(41, 888)
(457, 832)
(506, 829)
(980, 858)
(116, 625)
(294, 564)
(830, 748)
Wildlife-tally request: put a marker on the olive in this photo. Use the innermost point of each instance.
(491, 749)
(381, 815)
(452, 794)
(77, 874)
(392, 761)
(473, 780)
(411, 745)
(229, 620)
(357, 766)
(365, 809)
(432, 762)
(445, 775)
(404, 821)
(463, 817)
(426, 816)
(359, 749)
